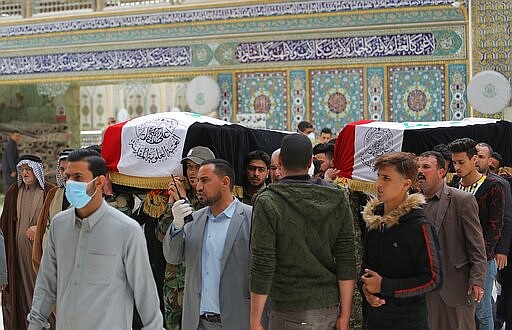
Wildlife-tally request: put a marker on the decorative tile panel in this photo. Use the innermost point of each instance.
(492, 39)
(416, 93)
(225, 82)
(95, 61)
(201, 55)
(448, 42)
(298, 98)
(458, 95)
(492, 45)
(336, 97)
(264, 93)
(375, 93)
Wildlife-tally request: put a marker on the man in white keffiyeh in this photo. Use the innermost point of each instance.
(22, 205)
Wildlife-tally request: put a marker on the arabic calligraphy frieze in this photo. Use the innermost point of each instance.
(101, 60)
(213, 14)
(180, 32)
(336, 48)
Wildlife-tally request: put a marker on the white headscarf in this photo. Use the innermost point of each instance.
(37, 168)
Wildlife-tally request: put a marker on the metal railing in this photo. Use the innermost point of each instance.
(54, 6)
(134, 3)
(32, 8)
(11, 8)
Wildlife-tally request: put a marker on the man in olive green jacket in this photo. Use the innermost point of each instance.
(303, 247)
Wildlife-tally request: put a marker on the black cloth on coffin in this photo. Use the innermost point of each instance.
(232, 143)
(498, 135)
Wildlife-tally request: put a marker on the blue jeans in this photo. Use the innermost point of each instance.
(484, 307)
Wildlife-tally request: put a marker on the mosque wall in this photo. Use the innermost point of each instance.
(276, 63)
(492, 38)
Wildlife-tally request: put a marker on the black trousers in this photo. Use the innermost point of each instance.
(504, 302)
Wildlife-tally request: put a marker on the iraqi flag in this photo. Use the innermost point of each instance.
(145, 151)
(361, 142)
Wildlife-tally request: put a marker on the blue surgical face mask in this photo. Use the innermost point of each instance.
(76, 193)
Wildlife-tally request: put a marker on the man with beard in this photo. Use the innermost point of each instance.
(175, 274)
(257, 164)
(55, 202)
(454, 214)
(503, 256)
(23, 203)
(303, 248)
(324, 152)
(214, 248)
(275, 167)
(490, 196)
(95, 267)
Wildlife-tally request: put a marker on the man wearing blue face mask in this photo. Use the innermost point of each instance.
(95, 256)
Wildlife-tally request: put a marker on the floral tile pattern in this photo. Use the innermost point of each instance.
(264, 94)
(336, 97)
(416, 93)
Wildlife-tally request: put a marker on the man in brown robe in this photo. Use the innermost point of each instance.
(54, 202)
(22, 205)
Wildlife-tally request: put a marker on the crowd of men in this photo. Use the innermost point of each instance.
(277, 254)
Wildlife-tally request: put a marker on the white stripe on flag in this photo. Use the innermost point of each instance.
(152, 145)
(372, 141)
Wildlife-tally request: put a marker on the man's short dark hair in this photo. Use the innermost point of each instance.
(316, 165)
(94, 147)
(296, 152)
(498, 157)
(466, 145)
(222, 168)
(326, 130)
(437, 155)
(303, 125)
(96, 163)
(329, 150)
(324, 148)
(320, 148)
(443, 150)
(258, 155)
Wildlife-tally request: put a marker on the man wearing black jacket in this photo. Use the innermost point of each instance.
(484, 153)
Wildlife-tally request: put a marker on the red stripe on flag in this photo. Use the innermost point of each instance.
(344, 149)
(111, 146)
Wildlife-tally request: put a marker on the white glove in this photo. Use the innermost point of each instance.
(180, 209)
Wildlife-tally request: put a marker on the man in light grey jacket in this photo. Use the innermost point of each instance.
(95, 265)
(215, 250)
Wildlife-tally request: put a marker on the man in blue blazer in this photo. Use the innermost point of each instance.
(215, 250)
